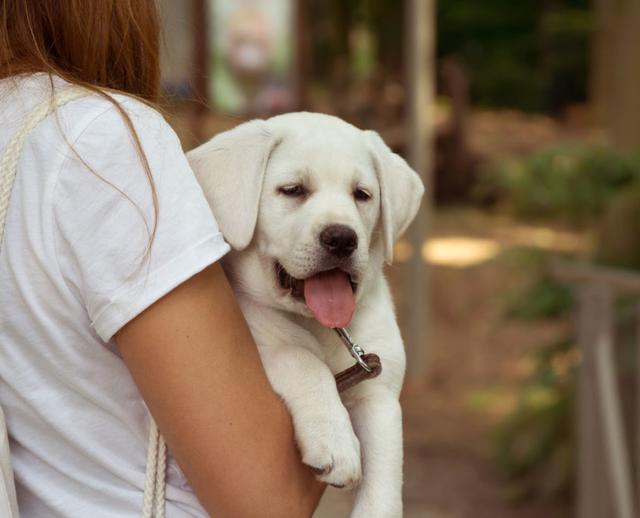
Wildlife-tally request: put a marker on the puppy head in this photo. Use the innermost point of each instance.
(319, 201)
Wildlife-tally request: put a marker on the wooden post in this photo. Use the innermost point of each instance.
(593, 494)
(605, 478)
(615, 443)
(420, 66)
(604, 473)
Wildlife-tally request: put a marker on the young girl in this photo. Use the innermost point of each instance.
(111, 297)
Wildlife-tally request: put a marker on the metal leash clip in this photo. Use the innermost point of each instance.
(354, 349)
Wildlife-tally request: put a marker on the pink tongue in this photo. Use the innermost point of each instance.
(330, 298)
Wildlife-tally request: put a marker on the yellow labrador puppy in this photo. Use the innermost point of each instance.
(311, 206)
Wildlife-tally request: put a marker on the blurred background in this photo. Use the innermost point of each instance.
(517, 289)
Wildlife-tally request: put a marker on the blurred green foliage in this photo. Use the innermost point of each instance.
(545, 298)
(535, 445)
(531, 55)
(336, 37)
(571, 182)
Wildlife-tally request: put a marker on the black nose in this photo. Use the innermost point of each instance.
(339, 240)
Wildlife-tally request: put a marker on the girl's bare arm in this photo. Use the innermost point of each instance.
(197, 367)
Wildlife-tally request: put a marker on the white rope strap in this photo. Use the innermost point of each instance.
(154, 484)
(154, 490)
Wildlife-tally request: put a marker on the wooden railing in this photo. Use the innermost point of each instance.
(605, 486)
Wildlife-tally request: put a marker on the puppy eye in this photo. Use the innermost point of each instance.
(361, 195)
(294, 191)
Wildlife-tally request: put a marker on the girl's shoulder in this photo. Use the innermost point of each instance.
(115, 114)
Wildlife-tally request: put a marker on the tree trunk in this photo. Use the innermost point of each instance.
(625, 117)
(602, 52)
(615, 70)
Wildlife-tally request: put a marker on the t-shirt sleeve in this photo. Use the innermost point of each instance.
(116, 251)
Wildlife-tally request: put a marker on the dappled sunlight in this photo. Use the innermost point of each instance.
(456, 252)
(464, 251)
(459, 252)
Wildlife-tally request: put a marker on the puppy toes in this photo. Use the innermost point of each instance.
(333, 454)
(339, 469)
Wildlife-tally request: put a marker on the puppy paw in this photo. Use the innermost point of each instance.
(332, 451)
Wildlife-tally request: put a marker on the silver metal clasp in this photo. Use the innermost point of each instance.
(354, 349)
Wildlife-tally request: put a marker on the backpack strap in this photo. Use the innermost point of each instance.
(154, 490)
(155, 480)
(8, 500)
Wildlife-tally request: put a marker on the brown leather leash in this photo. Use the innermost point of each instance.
(367, 366)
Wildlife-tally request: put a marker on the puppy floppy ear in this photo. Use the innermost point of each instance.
(230, 169)
(401, 191)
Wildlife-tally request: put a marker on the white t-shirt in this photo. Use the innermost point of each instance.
(70, 277)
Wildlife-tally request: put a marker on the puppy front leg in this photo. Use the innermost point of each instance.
(377, 420)
(321, 422)
(291, 358)
(322, 426)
